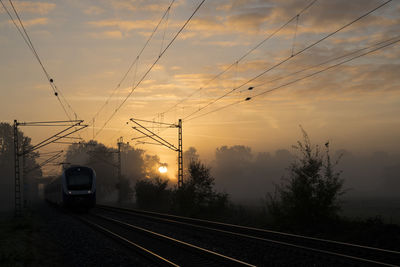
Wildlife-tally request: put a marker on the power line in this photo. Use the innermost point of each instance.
(151, 67)
(243, 56)
(24, 34)
(327, 68)
(320, 64)
(302, 78)
(287, 59)
(135, 60)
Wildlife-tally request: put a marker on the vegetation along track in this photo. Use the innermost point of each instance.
(160, 249)
(319, 250)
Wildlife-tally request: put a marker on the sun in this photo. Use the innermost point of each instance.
(162, 169)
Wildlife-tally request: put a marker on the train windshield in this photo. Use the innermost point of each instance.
(79, 179)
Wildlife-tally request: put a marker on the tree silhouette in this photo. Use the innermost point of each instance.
(152, 194)
(311, 193)
(196, 195)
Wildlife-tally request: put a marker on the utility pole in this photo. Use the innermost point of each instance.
(17, 178)
(120, 142)
(160, 141)
(180, 154)
(73, 126)
(24, 178)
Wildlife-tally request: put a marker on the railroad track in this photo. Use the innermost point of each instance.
(332, 252)
(158, 248)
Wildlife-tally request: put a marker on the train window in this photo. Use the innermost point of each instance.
(79, 179)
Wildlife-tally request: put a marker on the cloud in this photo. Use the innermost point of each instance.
(175, 68)
(252, 17)
(107, 35)
(93, 10)
(34, 22)
(125, 25)
(226, 43)
(142, 5)
(255, 17)
(124, 5)
(41, 8)
(248, 22)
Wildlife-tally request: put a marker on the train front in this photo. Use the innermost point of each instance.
(79, 187)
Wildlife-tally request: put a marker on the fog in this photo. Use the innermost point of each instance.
(249, 176)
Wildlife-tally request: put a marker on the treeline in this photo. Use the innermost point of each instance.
(308, 195)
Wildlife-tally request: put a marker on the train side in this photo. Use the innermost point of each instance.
(76, 187)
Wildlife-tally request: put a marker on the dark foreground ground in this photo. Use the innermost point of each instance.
(49, 237)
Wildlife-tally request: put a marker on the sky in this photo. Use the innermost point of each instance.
(88, 46)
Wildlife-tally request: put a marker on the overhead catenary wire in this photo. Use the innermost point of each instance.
(237, 61)
(24, 34)
(151, 67)
(328, 68)
(165, 30)
(135, 61)
(287, 59)
(392, 42)
(321, 64)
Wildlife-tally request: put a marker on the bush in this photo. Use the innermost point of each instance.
(196, 196)
(153, 194)
(311, 193)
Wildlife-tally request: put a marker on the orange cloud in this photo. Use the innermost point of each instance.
(34, 7)
(107, 35)
(125, 25)
(33, 22)
(93, 10)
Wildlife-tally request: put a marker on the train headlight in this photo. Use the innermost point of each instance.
(89, 191)
(69, 192)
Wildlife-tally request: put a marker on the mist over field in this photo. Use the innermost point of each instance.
(248, 175)
(371, 181)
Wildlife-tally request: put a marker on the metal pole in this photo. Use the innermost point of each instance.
(119, 170)
(161, 141)
(18, 209)
(180, 155)
(24, 178)
(93, 130)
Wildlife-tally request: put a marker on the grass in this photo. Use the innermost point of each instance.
(22, 243)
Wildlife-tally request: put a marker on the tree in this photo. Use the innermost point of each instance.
(311, 193)
(197, 195)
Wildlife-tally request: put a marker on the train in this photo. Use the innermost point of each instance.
(75, 188)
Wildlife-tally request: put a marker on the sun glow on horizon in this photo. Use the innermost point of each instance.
(162, 169)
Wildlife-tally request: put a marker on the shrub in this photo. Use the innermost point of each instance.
(197, 196)
(311, 193)
(153, 194)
